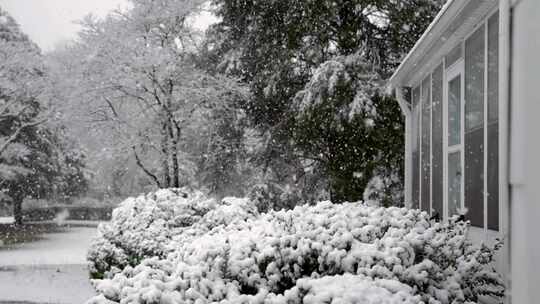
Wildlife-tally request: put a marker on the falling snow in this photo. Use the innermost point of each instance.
(195, 152)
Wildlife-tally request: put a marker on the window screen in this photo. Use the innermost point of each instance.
(437, 140)
(426, 146)
(474, 127)
(454, 182)
(454, 111)
(493, 123)
(416, 148)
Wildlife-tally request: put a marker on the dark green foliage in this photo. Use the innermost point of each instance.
(275, 47)
(219, 165)
(49, 168)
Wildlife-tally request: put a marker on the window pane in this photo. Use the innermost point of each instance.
(474, 127)
(454, 182)
(493, 123)
(437, 141)
(416, 148)
(453, 56)
(493, 68)
(474, 81)
(426, 147)
(493, 176)
(454, 111)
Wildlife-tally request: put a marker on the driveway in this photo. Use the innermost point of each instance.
(50, 270)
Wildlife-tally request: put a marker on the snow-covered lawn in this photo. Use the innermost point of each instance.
(50, 270)
(6, 220)
(59, 284)
(67, 247)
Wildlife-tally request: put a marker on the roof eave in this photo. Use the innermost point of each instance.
(426, 39)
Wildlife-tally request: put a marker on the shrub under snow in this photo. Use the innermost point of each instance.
(226, 252)
(145, 226)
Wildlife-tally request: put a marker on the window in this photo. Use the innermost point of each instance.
(437, 141)
(454, 111)
(454, 182)
(416, 148)
(454, 142)
(425, 197)
(474, 127)
(493, 124)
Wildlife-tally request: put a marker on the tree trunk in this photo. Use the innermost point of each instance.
(165, 152)
(17, 209)
(174, 155)
(174, 136)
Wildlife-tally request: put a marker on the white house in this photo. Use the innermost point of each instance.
(470, 92)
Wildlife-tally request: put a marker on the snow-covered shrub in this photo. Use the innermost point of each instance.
(347, 253)
(141, 227)
(104, 256)
(347, 288)
(144, 226)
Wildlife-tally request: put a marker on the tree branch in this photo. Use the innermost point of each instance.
(141, 165)
(109, 103)
(8, 114)
(16, 134)
(6, 106)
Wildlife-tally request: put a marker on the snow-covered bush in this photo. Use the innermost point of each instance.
(144, 226)
(347, 288)
(347, 253)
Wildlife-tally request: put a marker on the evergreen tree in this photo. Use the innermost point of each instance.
(281, 47)
(33, 160)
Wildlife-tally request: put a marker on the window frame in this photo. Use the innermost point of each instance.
(457, 69)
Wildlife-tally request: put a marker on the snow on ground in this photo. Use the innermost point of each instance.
(51, 270)
(67, 247)
(7, 220)
(61, 284)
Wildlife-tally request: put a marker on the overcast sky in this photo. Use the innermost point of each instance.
(49, 22)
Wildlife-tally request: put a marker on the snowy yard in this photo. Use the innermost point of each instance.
(50, 270)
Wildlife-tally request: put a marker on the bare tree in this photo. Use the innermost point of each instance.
(135, 75)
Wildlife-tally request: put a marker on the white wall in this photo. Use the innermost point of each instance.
(525, 153)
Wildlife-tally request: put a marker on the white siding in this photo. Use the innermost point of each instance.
(525, 153)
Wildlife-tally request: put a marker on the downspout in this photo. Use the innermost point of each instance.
(504, 138)
(408, 142)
